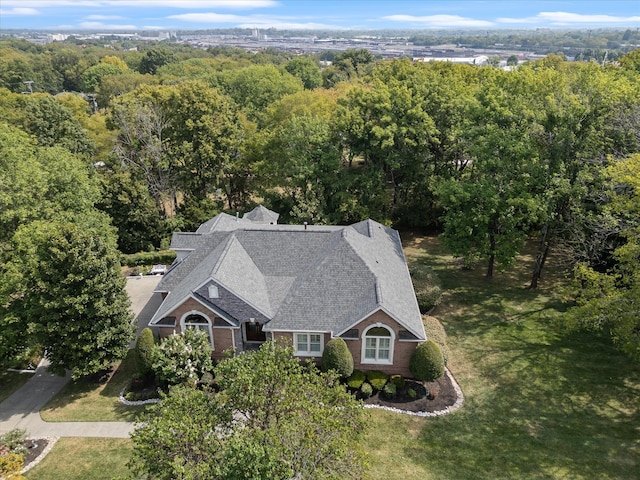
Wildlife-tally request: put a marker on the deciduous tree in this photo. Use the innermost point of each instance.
(273, 418)
(69, 294)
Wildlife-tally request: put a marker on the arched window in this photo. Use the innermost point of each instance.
(199, 321)
(377, 345)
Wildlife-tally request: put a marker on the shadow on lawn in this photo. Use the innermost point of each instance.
(97, 392)
(568, 408)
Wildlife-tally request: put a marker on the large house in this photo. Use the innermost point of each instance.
(247, 279)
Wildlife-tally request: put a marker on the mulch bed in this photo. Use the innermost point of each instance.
(34, 449)
(443, 395)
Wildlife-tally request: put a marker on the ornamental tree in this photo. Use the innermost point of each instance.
(182, 358)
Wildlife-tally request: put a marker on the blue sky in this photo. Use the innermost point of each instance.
(104, 15)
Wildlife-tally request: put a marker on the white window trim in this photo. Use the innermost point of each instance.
(307, 353)
(183, 323)
(363, 339)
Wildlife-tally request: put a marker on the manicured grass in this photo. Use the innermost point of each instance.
(89, 401)
(11, 381)
(84, 459)
(540, 402)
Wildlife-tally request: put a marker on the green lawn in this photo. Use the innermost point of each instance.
(88, 401)
(84, 459)
(540, 402)
(11, 381)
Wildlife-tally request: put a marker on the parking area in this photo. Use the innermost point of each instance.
(144, 302)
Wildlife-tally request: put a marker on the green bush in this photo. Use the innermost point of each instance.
(397, 380)
(10, 465)
(429, 298)
(412, 393)
(427, 286)
(14, 440)
(427, 362)
(143, 351)
(336, 356)
(356, 379)
(377, 379)
(389, 390)
(366, 390)
(435, 331)
(165, 257)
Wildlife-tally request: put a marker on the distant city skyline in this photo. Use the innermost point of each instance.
(126, 15)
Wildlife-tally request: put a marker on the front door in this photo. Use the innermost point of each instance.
(254, 333)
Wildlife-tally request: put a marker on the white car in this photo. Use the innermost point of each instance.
(158, 270)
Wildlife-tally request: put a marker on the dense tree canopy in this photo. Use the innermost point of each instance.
(60, 281)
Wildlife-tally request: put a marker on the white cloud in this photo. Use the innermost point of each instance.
(567, 18)
(440, 20)
(102, 26)
(19, 11)
(104, 17)
(231, 4)
(524, 20)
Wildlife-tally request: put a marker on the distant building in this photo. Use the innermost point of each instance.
(477, 60)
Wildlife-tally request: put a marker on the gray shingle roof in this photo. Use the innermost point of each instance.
(261, 214)
(321, 278)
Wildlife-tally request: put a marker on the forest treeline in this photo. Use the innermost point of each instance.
(163, 137)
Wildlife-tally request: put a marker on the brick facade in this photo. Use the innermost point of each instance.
(402, 350)
(222, 337)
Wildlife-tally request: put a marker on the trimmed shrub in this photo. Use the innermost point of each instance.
(377, 379)
(366, 390)
(429, 298)
(389, 390)
(412, 393)
(435, 331)
(356, 379)
(165, 257)
(398, 381)
(336, 356)
(144, 347)
(427, 286)
(427, 362)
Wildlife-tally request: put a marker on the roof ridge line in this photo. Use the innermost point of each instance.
(223, 254)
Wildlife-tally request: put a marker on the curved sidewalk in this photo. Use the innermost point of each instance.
(22, 408)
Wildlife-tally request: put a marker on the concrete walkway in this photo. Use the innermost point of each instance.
(21, 409)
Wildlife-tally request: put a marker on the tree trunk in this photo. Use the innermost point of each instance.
(541, 257)
(537, 269)
(492, 257)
